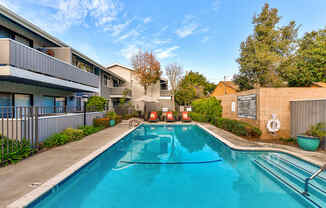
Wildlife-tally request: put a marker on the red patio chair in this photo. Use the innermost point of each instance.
(185, 117)
(153, 117)
(169, 116)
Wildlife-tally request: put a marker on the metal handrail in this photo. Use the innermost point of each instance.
(322, 169)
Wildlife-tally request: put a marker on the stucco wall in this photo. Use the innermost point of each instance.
(271, 101)
(62, 53)
(137, 89)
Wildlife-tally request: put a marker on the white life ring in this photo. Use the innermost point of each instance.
(273, 125)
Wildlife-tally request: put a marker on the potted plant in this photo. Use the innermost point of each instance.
(112, 117)
(310, 141)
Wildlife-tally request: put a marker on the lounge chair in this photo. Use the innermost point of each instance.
(169, 116)
(153, 117)
(185, 117)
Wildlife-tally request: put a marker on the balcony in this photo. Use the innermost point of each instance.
(15, 54)
(119, 92)
(165, 93)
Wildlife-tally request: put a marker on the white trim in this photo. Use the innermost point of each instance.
(165, 98)
(25, 74)
(52, 182)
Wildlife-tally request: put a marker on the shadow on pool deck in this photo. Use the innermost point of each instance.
(16, 179)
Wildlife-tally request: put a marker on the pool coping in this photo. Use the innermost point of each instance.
(272, 149)
(30, 197)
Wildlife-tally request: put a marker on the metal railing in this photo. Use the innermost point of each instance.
(120, 91)
(306, 187)
(21, 56)
(165, 93)
(21, 127)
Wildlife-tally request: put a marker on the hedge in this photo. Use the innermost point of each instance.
(239, 128)
(198, 117)
(209, 107)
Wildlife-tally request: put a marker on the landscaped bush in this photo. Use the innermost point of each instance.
(70, 135)
(96, 103)
(198, 117)
(88, 130)
(74, 134)
(209, 107)
(102, 122)
(239, 128)
(18, 150)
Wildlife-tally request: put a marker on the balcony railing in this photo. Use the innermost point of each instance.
(120, 91)
(165, 93)
(18, 55)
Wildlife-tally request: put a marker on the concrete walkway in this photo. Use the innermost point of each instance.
(15, 180)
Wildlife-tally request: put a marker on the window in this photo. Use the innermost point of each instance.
(60, 103)
(23, 100)
(5, 99)
(105, 81)
(116, 83)
(4, 33)
(47, 104)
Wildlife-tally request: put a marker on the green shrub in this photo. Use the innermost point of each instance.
(73, 134)
(18, 150)
(198, 117)
(210, 107)
(56, 140)
(111, 115)
(239, 128)
(102, 122)
(88, 130)
(96, 103)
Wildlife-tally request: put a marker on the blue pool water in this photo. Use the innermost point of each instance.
(177, 166)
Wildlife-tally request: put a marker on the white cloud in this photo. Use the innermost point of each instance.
(117, 29)
(9, 5)
(188, 27)
(147, 20)
(60, 15)
(166, 53)
(161, 42)
(129, 51)
(186, 30)
(132, 33)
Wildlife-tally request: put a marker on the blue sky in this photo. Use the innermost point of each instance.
(201, 35)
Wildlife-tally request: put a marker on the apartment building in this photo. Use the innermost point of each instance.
(37, 69)
(158, 91)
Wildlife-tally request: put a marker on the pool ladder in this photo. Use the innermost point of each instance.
(306, 186)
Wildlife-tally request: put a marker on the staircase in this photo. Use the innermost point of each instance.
(292, 174)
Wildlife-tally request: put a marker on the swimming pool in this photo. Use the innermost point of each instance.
(184, 166)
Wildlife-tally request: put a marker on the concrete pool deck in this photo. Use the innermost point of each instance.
(47, 167)
(16, 180)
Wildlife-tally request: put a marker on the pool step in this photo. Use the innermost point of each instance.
(315, 189)
(305, 171)
(291, 183)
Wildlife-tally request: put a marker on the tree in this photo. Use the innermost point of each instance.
(266, 56)
(147, 68)
(192, 86)
(96, 103)
(173, 72)
(310, 60)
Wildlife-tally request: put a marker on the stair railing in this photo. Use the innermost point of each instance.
(306, 187)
